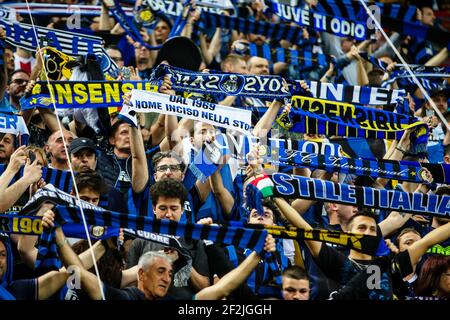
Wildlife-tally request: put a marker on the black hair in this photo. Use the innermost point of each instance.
(92, 180)
(442, 191)
(168, 188)
(167, 154)
(115, 127)
(363, 213)
(16, 71)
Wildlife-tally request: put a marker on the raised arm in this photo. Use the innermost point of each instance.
(89, 281)
(296, 219)
(235, 277)
(266, 122)
(418, 248)
(139, 172)
(438, 59)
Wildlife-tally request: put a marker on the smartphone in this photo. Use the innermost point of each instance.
(126, 73)
(31, 156)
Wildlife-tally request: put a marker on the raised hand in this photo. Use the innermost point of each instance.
(17, 159)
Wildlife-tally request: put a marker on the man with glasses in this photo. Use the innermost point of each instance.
(164, 165)
(115, 55)
(16, 88)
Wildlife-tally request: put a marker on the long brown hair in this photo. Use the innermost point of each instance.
(430, 275)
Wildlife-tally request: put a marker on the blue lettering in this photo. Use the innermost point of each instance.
(283, 187)
(400, 201)
(75, 45)
(318, 187)
(303, 185)
(369, 197)
(90, 44)
(19, 33)
(348, 193)
(8, 122)
(383, 196)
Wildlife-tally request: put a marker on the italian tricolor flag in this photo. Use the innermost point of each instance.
(265, 185)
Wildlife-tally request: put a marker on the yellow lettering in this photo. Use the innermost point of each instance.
(95, 91)
(308, 234)
(112, 92)
(64, 93)
(80, 92)
(15, 225)
(25, 225)
(37, 226)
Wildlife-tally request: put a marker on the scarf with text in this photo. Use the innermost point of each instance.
(174, 8)
(389, 169)
(372, 245)
(81, 94)
(331, 118)
(294, 187)
(321, 22)
(429, 80)
(241, 237)
(14, 125)
(364, 95)
(265, 87)
(26, 37)
(429, 77)
(216, 115)
(393, 16)
(238, 146)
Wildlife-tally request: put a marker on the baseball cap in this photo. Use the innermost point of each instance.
(81, 143)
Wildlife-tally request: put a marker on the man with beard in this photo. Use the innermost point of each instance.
(56, 151)
(16, 88)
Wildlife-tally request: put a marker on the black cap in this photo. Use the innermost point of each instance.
(180, 52)
(440, 90)
(81, 143)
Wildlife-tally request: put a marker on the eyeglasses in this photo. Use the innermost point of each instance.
(19, 81)
(172, 167)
